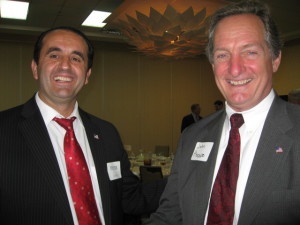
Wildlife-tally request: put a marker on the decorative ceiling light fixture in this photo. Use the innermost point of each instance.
(166, 34)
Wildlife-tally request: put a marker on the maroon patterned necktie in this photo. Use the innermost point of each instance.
(221, 208)
(79, 177)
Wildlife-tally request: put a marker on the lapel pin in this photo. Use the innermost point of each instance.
(96, 136)
(279, 150)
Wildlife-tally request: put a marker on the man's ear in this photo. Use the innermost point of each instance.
(276, 63)
(88, 74)
(34, 70)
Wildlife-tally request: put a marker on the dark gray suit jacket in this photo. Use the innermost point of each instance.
(272, 194)
(32, 191)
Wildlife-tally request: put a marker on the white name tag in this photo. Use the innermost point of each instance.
(114, 170)
(202, 151)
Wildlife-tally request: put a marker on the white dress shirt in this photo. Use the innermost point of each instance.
(196, 117)
(57, 134)
(250, 133)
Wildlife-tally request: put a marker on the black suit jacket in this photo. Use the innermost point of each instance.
(187, 121)
(32, 191)
(272, 193)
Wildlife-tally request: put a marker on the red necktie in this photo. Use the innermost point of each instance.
(79, 177)
(221, 208)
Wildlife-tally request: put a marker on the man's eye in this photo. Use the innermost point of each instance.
(252, 53)
(76, 59)
(221, 57)
(53, 56)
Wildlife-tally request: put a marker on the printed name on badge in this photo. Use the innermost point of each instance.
(202, 151)
(114, 170)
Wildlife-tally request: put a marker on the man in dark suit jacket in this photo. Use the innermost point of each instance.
(244, 50)
(191, 118)
(33, 183)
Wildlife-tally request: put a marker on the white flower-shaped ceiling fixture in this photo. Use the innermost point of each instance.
(170, 34)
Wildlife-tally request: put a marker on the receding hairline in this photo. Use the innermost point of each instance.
(64, 31)
(257, 18)
(68, 31)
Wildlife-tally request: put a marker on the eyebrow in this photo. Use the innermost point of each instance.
(79, 54)
(243, 47)
(252, 45)
(220, 49)
(53, 49)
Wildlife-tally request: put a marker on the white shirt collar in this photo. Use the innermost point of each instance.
(257, 113)
(48, 113)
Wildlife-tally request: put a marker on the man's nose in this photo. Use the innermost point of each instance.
(65, 62)
(236, 65)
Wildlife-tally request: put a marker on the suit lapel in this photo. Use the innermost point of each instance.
(205, 171)
(99, 155)
(266, 163)
(36, 135)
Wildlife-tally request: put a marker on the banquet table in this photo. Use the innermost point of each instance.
(164, 162)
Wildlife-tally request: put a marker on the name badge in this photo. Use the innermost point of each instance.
(114, 170)
(202, 151)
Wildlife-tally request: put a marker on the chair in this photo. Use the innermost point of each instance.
(150, 173)
(162, 150)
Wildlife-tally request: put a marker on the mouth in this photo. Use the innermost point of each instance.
(239, 82)
(64, 79)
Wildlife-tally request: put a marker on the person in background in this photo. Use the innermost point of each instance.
(218, 105)
(191, 118)
(240, 165)
(60, 165)
(294, 96)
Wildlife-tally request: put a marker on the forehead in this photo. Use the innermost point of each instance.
(64, 38)
(239, 27)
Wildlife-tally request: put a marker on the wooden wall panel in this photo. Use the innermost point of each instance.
(10, 75)
(288, 75)
(156, 95)
(121, 95)
(91, 97)
(28, 84)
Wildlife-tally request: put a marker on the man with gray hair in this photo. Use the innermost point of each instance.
(240, 165)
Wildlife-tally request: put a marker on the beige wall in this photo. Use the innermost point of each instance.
(144, 98)
(16, 82)
(288, 75)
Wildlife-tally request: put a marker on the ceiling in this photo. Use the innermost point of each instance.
(44, 14)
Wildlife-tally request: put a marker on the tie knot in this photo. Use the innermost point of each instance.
(67, 124)
(236, 120)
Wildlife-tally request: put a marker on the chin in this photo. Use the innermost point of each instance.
(238, 103)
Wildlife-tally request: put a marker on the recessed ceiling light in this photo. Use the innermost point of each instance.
(14, 9)
(96, 18)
